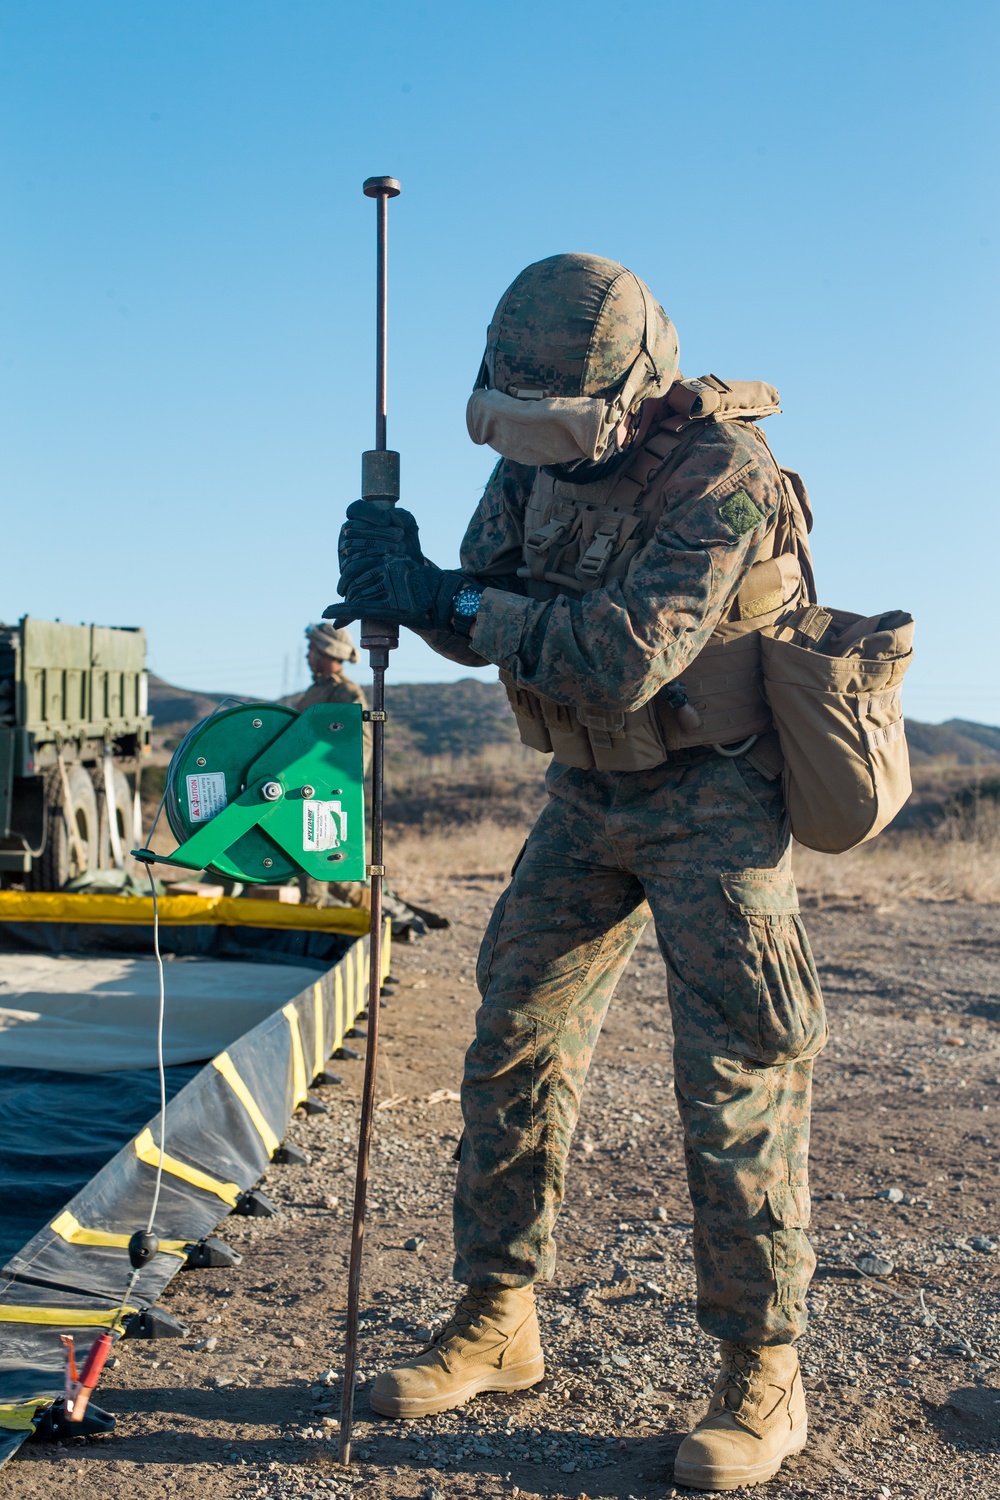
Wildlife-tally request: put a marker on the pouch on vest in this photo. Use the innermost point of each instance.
(587, 738)
(833, 682)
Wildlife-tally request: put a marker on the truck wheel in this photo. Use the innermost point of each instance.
(57, 863)
(123, 817)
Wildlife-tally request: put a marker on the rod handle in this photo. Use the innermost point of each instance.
(380, 475)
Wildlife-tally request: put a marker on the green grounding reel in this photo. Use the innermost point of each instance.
(260, 793)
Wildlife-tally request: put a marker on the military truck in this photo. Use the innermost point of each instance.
(73, 725)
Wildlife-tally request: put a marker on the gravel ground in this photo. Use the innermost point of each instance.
(900, 1363)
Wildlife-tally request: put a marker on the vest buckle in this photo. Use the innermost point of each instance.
(595, 560)
(545, 538)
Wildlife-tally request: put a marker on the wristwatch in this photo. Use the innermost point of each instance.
(465, 608)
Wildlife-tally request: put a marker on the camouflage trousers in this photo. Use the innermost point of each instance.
(702, 846)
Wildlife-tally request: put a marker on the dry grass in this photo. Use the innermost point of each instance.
(959, 861)
(412, 770)
(423, 860)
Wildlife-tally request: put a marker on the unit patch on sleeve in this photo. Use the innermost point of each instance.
(740, 514)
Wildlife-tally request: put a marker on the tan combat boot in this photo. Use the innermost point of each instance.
(490, 1344)
(756, 1418)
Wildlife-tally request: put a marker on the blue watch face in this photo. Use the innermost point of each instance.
(466, 602)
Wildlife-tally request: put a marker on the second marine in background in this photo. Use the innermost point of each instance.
(327, 651)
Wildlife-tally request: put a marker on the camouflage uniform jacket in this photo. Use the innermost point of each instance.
(339, 689)
(618, 645)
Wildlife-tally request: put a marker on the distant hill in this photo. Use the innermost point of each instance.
(433, 718)
(966, 743)
(470, 717)
(180, 707)
(449, 718)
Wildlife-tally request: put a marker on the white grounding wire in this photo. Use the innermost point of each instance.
(159, 1019)
(134, 1277)
(159, 1053)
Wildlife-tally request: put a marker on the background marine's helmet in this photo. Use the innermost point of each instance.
(330, 641)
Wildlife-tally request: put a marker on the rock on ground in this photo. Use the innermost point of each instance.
(901, 1368)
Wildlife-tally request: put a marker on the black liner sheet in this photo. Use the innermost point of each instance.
(208, 1129)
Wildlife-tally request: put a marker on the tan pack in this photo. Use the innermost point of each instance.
(833, 682)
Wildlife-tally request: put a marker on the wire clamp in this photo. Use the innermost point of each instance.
(79, 1385)
(374, 715)
(376, 870)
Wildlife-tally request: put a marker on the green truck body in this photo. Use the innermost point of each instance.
(73, 722)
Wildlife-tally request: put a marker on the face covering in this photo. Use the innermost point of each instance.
(553, 430)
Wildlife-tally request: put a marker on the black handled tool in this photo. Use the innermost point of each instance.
(379, 482)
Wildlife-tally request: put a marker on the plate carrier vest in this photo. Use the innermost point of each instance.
(581, 537)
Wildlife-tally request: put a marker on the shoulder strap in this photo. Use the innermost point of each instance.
(711, 399)
(795, 520)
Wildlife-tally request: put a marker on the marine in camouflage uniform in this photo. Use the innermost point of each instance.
(694, 835)
(702, 843)
(327, 650)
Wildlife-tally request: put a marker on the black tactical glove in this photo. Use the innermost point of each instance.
(371, 533)
(399, 591)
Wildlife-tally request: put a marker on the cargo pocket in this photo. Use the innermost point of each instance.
(771, 994)
(794, 1258)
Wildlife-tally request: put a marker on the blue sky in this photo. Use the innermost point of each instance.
(187, 285)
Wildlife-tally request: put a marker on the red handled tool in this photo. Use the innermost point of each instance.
(78, 1387)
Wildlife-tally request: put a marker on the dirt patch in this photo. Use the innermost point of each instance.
(901, 1368)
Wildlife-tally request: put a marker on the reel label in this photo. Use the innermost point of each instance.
(324, 826)
(206, 795)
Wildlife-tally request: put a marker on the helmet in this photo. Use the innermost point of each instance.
(578, 325)
(578, 341)
(332, 642)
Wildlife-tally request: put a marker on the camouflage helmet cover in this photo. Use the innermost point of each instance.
(330, 641)
(580, 325)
